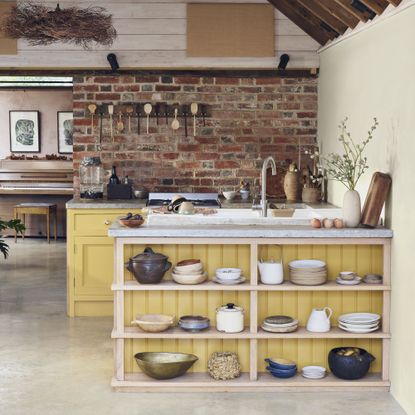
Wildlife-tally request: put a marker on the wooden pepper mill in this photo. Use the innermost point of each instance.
(292, 183)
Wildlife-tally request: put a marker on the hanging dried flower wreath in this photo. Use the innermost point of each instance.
(40, 25)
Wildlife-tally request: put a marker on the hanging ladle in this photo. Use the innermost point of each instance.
(175, 125)
(147, 109)
(194, 108)
(92, 108)
(111, 113)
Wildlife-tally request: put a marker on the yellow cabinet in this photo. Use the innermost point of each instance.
(90, 261)
(93, 265)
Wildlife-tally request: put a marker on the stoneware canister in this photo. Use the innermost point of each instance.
(351, 209)
(230, 318)
(319, 320)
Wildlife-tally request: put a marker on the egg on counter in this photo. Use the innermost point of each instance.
(315, 223)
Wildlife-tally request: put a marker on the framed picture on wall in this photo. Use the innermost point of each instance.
(65, 132)
(24, 131)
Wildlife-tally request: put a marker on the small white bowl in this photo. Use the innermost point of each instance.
(228, 273)
(230, 194)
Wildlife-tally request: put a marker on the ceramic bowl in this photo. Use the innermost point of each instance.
(162, 365)
(194, 323)
(189, 279)
(230, 194)
(282, 374)
(153, 323)
(228, 273)
(280, 363)
(188, 269)
(132, 223)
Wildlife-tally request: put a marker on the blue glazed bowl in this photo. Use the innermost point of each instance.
(282, 364)
(282, 374)
(194, 323)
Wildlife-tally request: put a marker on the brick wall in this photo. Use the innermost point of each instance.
(251, 118)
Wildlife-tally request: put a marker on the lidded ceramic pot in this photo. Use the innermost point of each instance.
(149, 267)
(230, 318)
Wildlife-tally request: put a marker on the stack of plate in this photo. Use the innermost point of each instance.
(280, 324)
(228, 276)
(189, 271)
(359, 322)
(313, 372)
(308, 272)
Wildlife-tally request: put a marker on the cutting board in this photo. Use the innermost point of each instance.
(375, 199)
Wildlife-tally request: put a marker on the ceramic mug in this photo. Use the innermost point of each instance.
(186, 208)
(319, 320)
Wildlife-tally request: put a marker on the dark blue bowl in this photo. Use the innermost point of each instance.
(276, 365)
(283, 374)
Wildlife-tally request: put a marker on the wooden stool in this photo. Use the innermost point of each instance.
(37, 209)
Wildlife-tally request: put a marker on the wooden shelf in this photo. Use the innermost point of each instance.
(178, 333)
(139, 382)
(212, 286)
(212, 333)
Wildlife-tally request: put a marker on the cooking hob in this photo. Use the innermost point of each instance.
(198, 199)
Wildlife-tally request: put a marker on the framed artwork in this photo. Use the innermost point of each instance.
(65, 132)
(24, 131)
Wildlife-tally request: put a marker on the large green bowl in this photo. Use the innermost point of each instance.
(162, 365)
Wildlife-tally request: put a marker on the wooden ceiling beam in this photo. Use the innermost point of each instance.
(347, 5)
(342, 14)
(312, 25)
(378, 6)
(326, 16)
(395, 3)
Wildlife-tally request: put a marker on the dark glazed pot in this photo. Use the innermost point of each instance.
(350, 367)
(148, 267)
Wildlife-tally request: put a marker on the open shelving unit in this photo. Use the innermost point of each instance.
(253, 341)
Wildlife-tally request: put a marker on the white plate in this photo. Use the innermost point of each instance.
(319, 369)
(280, 326)
(229, 282)
(359, 318)
(359, 331)
(307, 263)
(313, 377)
(356, 281)
(359, 326)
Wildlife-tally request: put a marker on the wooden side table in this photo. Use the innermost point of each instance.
(46, 209)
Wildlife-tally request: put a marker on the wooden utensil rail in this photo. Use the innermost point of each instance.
(254, 379)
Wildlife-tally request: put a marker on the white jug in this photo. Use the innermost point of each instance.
(319, 320)
(271, 272)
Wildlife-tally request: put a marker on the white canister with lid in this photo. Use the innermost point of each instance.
(230, 318)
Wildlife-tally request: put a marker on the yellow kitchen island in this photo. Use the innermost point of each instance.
(361, 250)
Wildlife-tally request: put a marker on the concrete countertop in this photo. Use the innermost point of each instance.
(245, 231)
(77, 203)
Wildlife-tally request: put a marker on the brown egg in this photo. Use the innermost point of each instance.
(327, 223)
(338, 223)
(315, 223)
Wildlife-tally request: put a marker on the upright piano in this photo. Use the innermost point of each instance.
(43, 181)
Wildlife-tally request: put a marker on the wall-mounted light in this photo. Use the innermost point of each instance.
(284, 59)
(112, 59)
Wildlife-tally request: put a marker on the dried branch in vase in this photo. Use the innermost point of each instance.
(40, 25)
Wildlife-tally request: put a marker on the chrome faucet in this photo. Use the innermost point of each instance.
(264, 204)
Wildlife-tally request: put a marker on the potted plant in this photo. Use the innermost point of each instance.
(348, 168)
(15, 224)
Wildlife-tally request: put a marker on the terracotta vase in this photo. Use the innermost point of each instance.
(291, 185)
(311, 195)
(351, 209)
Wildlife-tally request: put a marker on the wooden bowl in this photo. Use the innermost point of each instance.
(132, 223)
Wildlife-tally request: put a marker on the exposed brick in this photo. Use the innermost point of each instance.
(249, 118)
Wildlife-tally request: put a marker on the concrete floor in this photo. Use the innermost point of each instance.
(50, 364)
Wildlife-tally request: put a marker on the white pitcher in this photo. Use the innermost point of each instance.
(271, 272)
(319, 320)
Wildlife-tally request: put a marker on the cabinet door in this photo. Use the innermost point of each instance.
(93, 265)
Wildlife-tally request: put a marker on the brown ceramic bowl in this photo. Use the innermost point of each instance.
(132, 223)
(188, 262)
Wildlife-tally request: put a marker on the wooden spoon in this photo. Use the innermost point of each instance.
(92, 108)
(175, 125)
(130, 111)
(147, 109)
(120, 124)
(194, 108)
